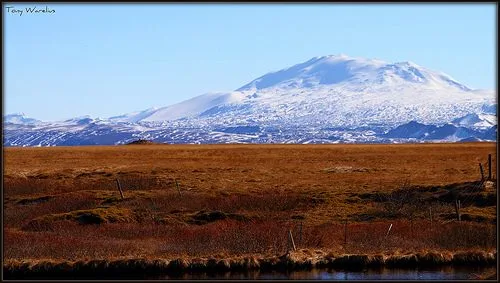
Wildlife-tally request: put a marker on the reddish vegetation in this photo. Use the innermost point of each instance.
(63, 203)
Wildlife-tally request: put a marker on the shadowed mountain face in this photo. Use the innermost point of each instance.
(448, 132)
(326, 99)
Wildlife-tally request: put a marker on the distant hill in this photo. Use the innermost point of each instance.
(142, 142)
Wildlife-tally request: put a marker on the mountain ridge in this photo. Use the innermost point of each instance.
(334, 73)
(334, 91)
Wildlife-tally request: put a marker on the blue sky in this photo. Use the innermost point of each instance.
(104, 60)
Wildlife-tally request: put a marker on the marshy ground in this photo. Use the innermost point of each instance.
(202, 202)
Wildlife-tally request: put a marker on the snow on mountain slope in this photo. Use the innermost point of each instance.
(134, 116)
(339, 90)
(329, 99)
(318, 70)
(334, 69)
(194, 106)
(474, 120)
(19, 118)
(490, 108)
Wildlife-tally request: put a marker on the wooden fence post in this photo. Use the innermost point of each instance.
(178, 188)
(119, 187)
(482, 173)
(459, 214)
(489, 167)
(430, 214)
(291, 239)
(389, 230)
(457, 209)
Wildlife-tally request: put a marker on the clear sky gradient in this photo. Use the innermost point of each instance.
(105, 60)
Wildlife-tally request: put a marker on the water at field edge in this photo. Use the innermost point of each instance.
(438, 273)
(443, 273)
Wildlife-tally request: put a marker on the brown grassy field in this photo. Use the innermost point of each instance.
(62, 203)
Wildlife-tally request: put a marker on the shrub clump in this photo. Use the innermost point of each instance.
(141, 141)
(205, 217)
(84, 217)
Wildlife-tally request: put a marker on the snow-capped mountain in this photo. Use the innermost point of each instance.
(19, 118)
(341, 91)
(330, 70)
(326, 99)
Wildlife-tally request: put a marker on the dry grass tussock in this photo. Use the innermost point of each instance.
(299, 260)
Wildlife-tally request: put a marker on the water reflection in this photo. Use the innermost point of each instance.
(444, 273)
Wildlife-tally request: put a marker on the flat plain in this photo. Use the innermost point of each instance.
(224, 201)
